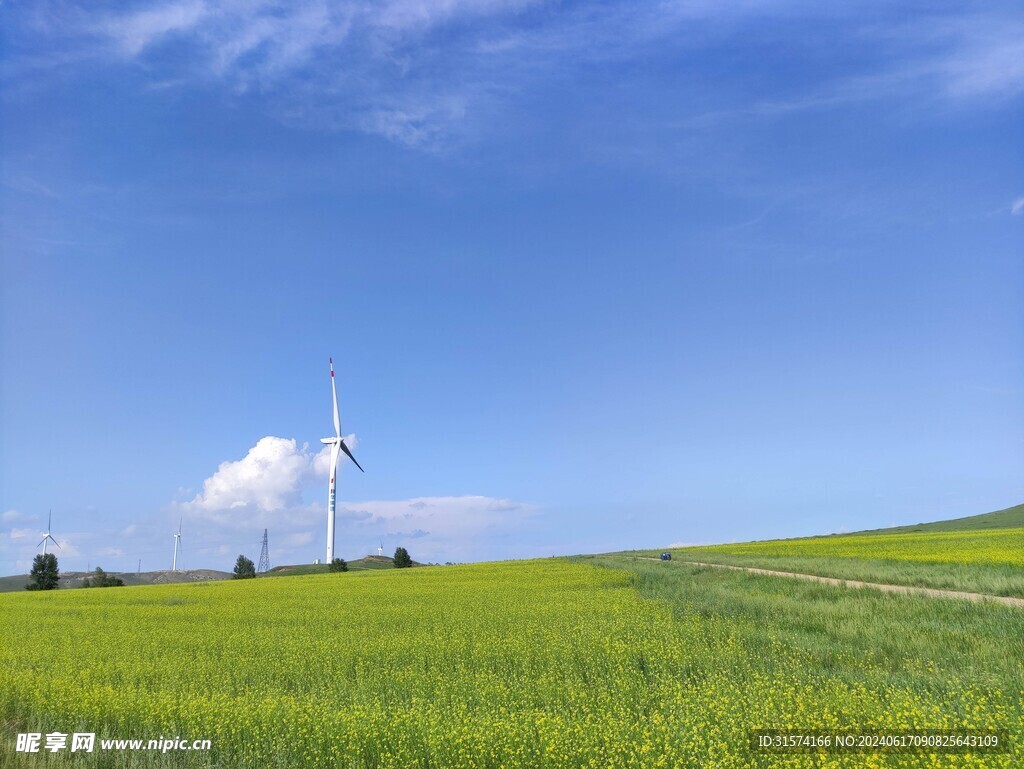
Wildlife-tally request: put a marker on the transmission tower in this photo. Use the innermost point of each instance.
(264, 556)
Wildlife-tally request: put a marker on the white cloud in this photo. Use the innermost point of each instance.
(270, 479)
(1017, 207)
(22, 533)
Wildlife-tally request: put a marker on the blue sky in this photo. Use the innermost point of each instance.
(595, 276)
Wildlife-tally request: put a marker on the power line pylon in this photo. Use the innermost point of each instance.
(264, 556)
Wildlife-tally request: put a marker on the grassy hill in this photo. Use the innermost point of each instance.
(1010, 518)
(979, 553)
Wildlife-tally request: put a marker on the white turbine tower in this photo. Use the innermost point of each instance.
(177, 539)
(47, 536)
(337, 445)
(380, 549)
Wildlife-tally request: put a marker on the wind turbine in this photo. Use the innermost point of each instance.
(177, 539)
(47, 536)
(380, 549)
(337, 445)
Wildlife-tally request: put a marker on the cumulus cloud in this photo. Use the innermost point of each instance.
(1017, 207)
(22, 533)
(269, 479)
(280, 484)
(272, 485)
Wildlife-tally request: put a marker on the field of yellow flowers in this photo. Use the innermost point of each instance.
(985, 547)
(549, 663)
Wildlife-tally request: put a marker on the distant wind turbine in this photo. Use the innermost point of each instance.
(337, 445)
(177, 539)
(380, 548)
(46, 536)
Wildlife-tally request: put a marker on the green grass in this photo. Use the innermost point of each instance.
(602, 661)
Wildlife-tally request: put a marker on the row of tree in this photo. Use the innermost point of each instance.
(45, 574)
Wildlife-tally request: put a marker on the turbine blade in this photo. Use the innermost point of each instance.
(41, 541)
(55, 542)
(345, 449)
(334, 392)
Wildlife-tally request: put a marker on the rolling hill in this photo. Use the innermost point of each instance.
(1010, 518)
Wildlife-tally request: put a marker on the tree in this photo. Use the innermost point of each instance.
(244, 568)
(338, 564)
(101, 579)
(45, 573)
(402, 559)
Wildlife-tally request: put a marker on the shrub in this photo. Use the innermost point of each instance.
(338, 564)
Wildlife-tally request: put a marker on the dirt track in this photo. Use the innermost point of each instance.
(934, 593)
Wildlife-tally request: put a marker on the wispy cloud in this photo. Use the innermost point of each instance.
(420, 71)
(133, 32)
(1017, 206)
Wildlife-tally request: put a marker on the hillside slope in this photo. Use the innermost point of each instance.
(1010, 518)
